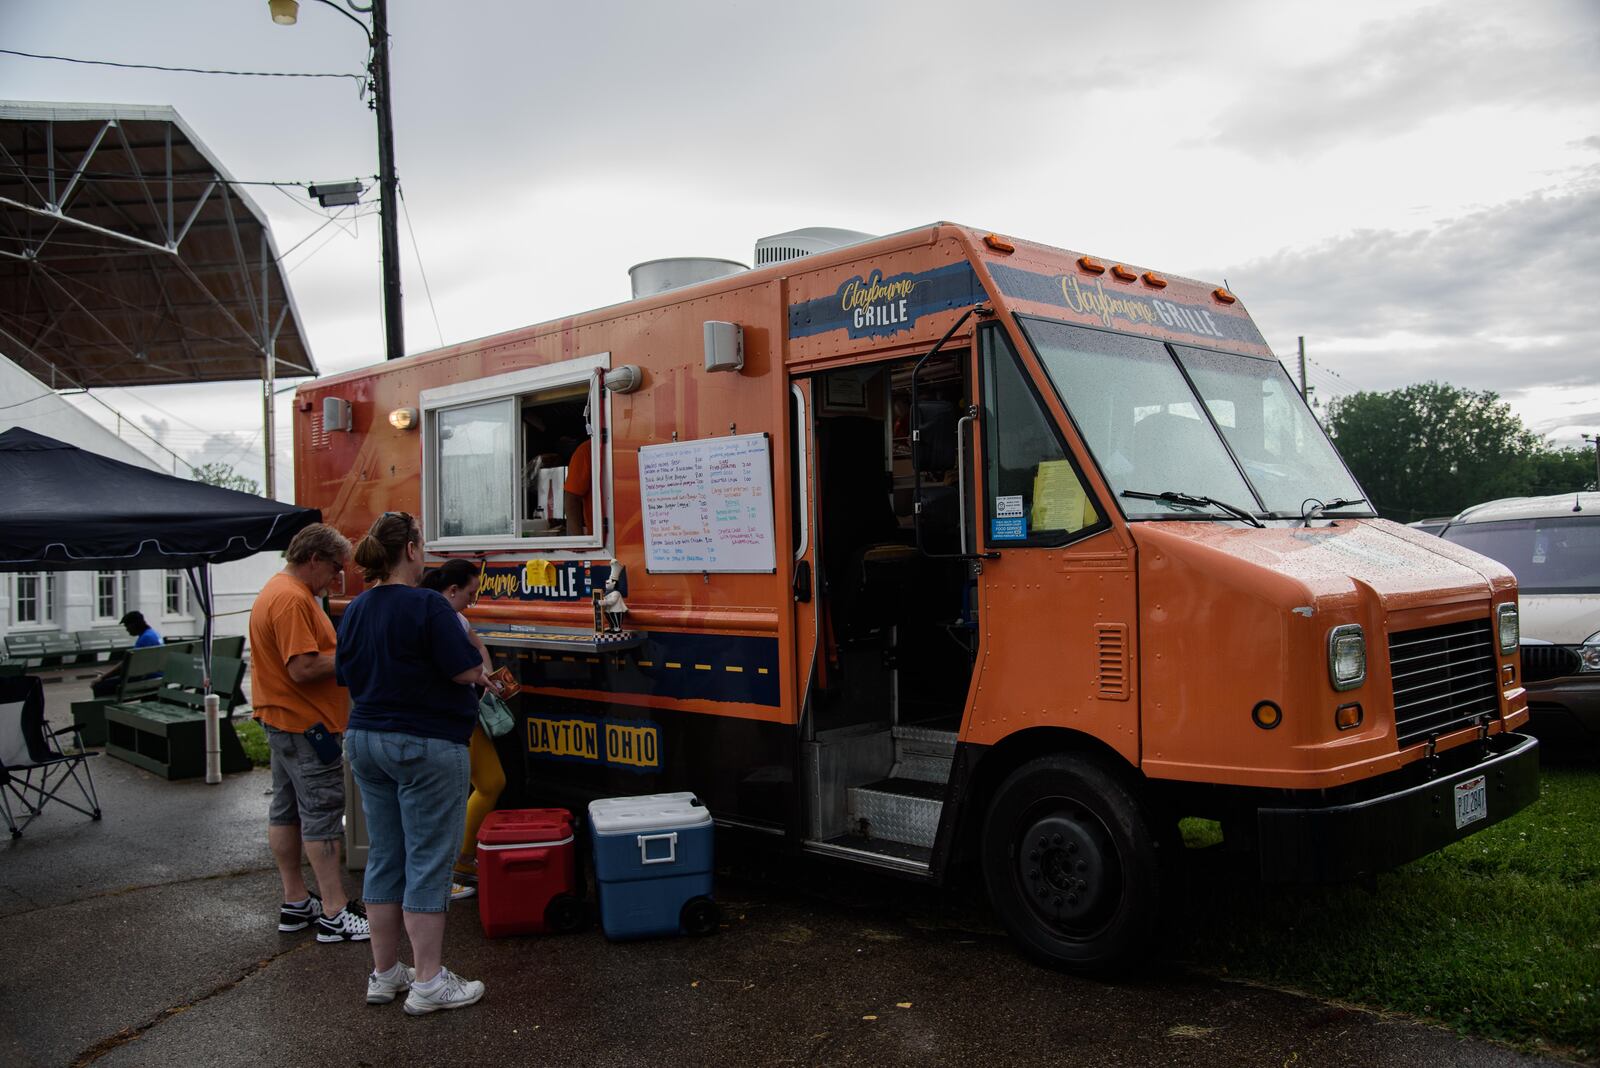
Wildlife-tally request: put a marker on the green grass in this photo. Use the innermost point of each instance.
(1497, 935)
(254, 740)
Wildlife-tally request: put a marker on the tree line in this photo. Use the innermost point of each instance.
(1432, 449)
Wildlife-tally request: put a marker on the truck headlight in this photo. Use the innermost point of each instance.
(1347, 656)
(1510, 628)
(1589, 653)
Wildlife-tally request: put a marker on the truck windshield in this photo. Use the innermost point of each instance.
(1285, 454)
(1150, 432)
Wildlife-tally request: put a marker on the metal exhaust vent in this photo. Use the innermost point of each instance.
(780, 248)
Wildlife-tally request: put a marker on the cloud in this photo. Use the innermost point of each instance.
(1398, 74)
(1501, 298)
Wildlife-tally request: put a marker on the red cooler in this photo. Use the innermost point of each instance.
(527, 873)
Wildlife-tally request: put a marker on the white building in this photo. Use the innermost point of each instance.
(70, 602)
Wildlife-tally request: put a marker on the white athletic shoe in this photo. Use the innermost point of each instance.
(447, 991)
(381, 989)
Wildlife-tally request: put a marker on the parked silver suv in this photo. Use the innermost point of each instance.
(1552, 545)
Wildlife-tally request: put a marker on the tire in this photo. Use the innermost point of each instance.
(564, 914)
(700, 917)
(1074, 864)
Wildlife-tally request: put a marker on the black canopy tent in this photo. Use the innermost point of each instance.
(63, 508)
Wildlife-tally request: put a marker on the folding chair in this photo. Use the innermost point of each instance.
(28, 748)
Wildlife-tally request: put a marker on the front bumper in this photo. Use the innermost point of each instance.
(1370, 827)
(1574, 698)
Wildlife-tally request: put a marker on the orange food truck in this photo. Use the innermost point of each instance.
(941, 549)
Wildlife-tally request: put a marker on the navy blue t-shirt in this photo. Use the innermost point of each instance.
(399, 647)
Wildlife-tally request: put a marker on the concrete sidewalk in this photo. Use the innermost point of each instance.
(150, 938)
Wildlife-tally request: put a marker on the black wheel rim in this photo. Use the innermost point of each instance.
(1066, 868)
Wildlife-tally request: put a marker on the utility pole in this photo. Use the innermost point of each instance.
(1594, 439)
(1304, 393)
(286, 13)
(393, 328)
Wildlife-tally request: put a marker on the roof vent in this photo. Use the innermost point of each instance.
(796, 243)
(658, 276)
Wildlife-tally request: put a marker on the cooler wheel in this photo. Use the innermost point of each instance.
(564, 914)
(700, 917)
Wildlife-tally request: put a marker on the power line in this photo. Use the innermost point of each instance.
(426, 288)
(360, 79)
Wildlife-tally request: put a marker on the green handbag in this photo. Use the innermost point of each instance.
(494, 716)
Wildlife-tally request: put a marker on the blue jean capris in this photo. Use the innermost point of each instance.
(414, 794)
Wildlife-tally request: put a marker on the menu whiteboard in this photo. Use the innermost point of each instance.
(708, 505)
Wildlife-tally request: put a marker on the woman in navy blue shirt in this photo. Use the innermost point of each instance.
(410, 670)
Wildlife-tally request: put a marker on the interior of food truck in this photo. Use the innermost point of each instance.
(897, 621)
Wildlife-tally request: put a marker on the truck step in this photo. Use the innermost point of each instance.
(898, 810)
(923, 754)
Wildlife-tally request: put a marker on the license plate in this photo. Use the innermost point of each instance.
(1472, 801)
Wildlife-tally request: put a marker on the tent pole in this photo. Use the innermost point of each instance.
(200, 576)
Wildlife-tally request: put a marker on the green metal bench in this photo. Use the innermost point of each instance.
(141, 677)
(49, 649)
(165, 731)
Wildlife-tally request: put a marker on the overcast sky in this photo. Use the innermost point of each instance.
(1415, 187)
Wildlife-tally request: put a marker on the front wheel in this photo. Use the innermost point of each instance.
(1072, 861)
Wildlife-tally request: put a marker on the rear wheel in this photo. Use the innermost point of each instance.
(1072, 862)
(700, 917)
(564, 914)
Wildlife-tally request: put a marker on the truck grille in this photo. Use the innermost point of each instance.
(1540, 662)
(1444, 678)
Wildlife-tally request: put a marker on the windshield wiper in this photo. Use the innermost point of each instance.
(1195, 501)
(1337, 502)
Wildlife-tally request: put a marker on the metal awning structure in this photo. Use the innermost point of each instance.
(129, 257)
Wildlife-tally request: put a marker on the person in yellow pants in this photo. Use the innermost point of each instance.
(457, 580)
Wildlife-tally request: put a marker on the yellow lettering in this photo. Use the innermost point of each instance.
(633, 746)
(859, 294)
(1102, 305)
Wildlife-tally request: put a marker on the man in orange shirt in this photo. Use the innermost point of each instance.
(304, 711)
(575, 491)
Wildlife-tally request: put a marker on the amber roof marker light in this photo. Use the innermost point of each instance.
(1092, 265)
(1123, 273)
(1154, 281)
(999, 244)
(1222, 296)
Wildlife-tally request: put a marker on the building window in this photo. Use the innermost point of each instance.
(110, 594)
(33, 598)
(176, 600)
(511, 460)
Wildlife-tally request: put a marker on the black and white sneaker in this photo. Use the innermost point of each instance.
(298, 917)
(349, 924)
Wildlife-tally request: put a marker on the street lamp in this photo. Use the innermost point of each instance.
(1594, 439)
(286, 13)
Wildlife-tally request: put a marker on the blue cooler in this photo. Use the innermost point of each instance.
(652, 865)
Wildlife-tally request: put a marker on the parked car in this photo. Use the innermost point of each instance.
(1552, 545)
(1431, 526)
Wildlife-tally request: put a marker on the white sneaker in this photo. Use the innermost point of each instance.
(447, 991)
(381, 989)
(349, 924)
(462, 891)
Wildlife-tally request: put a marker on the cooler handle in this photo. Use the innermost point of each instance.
(671, 838)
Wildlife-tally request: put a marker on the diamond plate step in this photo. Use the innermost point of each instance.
(899, 810)
(923, 754)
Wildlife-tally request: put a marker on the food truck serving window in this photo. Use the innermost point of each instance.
(510, 460)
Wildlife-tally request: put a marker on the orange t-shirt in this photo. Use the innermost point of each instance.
(578, 471)
(286, 621)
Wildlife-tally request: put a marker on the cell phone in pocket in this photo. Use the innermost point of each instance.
(324, 743)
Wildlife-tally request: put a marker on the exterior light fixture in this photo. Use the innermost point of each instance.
(403, 418)
(284, 12)
(336, 194)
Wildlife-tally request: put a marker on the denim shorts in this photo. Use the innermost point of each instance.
(305, 791)
(414, 794)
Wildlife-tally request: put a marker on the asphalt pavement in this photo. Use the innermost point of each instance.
(150, 938)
